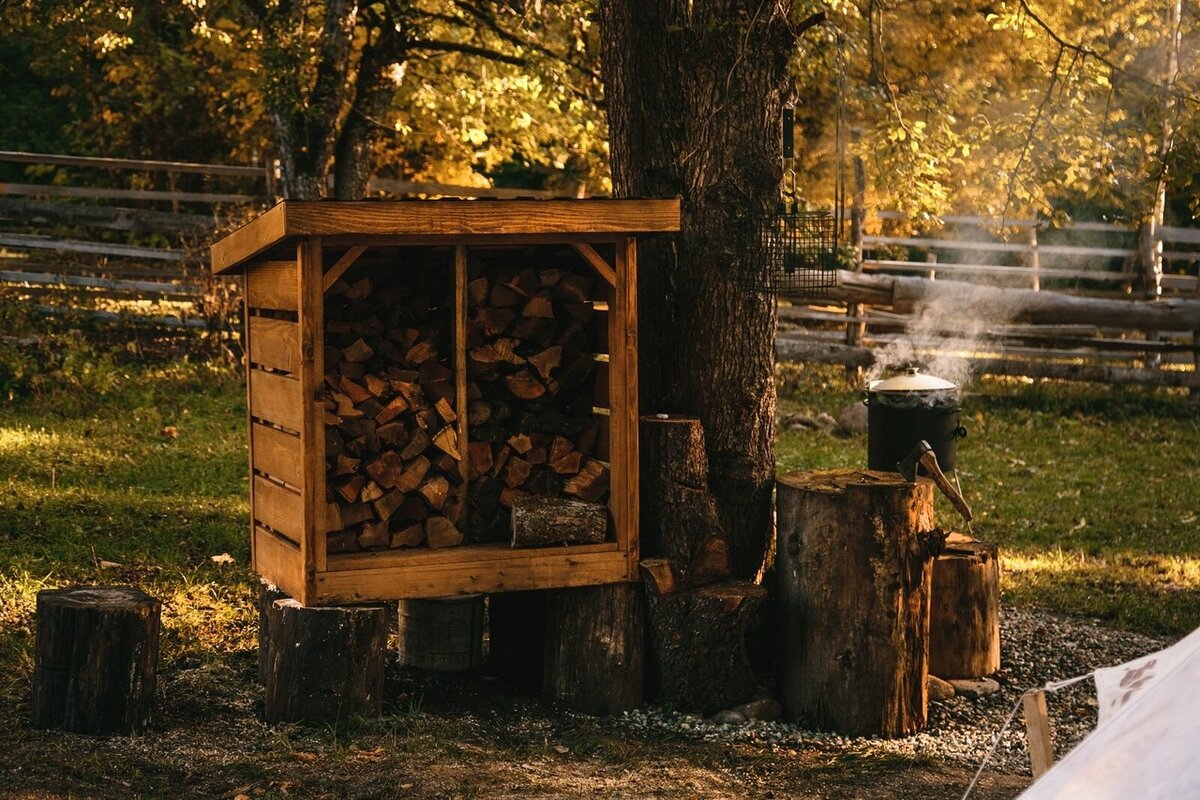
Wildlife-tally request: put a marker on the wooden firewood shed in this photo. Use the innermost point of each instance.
(414, 367)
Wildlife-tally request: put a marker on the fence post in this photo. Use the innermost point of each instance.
(1032, 260)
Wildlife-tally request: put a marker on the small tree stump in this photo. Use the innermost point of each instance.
(324, 664)
(517, 638)
(96, 662)
(697, 638)
(854, 557)
(594, 644)
(964, 612)
(441, 634)
(267, 594)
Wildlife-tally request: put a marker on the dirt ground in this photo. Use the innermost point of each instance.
(439, 738)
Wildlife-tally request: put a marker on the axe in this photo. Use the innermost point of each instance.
(923, 456)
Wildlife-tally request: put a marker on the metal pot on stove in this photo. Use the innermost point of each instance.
(903, 410)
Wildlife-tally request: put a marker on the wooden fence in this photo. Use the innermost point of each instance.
(1075, 301)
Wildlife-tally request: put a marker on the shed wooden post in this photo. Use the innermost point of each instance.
(854, 554)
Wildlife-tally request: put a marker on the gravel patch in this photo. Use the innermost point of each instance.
(1036, 647)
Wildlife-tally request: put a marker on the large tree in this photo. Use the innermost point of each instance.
(694, 92)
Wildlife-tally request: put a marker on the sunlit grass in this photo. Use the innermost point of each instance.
(1086, 489)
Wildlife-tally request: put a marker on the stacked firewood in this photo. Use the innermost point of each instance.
(531, 365)
(393, 461)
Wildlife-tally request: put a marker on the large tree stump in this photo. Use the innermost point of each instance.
(594, 648)
(697, 638)
(679, 518)
(96, 661)
(854, 558)
(324, 664)
(964, 612)
(442, 634)
(517, 638)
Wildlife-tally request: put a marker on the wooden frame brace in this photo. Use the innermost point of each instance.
(596, 262)
(340, 266)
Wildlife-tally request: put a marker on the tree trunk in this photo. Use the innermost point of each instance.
(267, 595)
(854, 557)
(694, 96)
(96, 661)
(443, 634)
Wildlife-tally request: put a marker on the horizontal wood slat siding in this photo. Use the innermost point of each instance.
(278, 509)
(273, 285)
(274, 343)
(275, 453)
(278, 561)
(276, 398)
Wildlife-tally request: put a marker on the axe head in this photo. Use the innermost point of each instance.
(908, 465)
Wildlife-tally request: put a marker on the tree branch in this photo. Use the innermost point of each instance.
(469, 49)
(489, 21)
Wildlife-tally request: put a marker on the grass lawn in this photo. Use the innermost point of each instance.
(1089, 490)
(139, 476)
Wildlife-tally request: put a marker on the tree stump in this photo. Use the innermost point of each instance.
(964, 612)
(854, 557)
(441, 634)
(267, 594)
(594, 643)
(517, 638)
(324, 664)
(679, 518)
(96, 661)
(697, 640)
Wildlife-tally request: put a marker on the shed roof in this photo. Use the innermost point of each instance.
(444, 221)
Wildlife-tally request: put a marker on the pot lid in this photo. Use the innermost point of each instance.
(911, 381)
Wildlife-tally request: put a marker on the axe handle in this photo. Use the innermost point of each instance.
(929, 462)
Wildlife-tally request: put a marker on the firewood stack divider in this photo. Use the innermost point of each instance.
(363, 323)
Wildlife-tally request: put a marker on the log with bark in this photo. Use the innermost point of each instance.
(964, 611)
(697, 639)
(324, 664)
(96, 660)
(854, 554)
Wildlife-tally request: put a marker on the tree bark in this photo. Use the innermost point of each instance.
(694, 96)
(324, 664)
(964, 611)
(96, 661)
(442, 634)
(854, 557)
(594, 648)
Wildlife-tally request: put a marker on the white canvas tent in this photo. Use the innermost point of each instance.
(1147, 742)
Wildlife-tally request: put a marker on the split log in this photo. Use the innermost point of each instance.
(96, 659)
(594, 648)
(441, 532)
(964, 613)
(541, 521)
(697, 639)
(441, 634)
(324, 664)
(854, 555)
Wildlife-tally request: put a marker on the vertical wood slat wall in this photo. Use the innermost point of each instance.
(287, 450)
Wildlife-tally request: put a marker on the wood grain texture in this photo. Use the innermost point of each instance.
(274, 344)
(854, 556)
(275, 453)
(272, 285)
(460, 379)
(449, 219)
(277, 560)
(279, 509)
(1037, 733)
(310, 257)
(490, 552)
(275, 398)
(964, 611)
(559, 568)
(340, 266)
(596, 262)
(628, 281)
(249, 240)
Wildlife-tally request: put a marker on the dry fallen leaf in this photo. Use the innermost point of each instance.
(306, 757)
(169, 432)
(224, 558)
